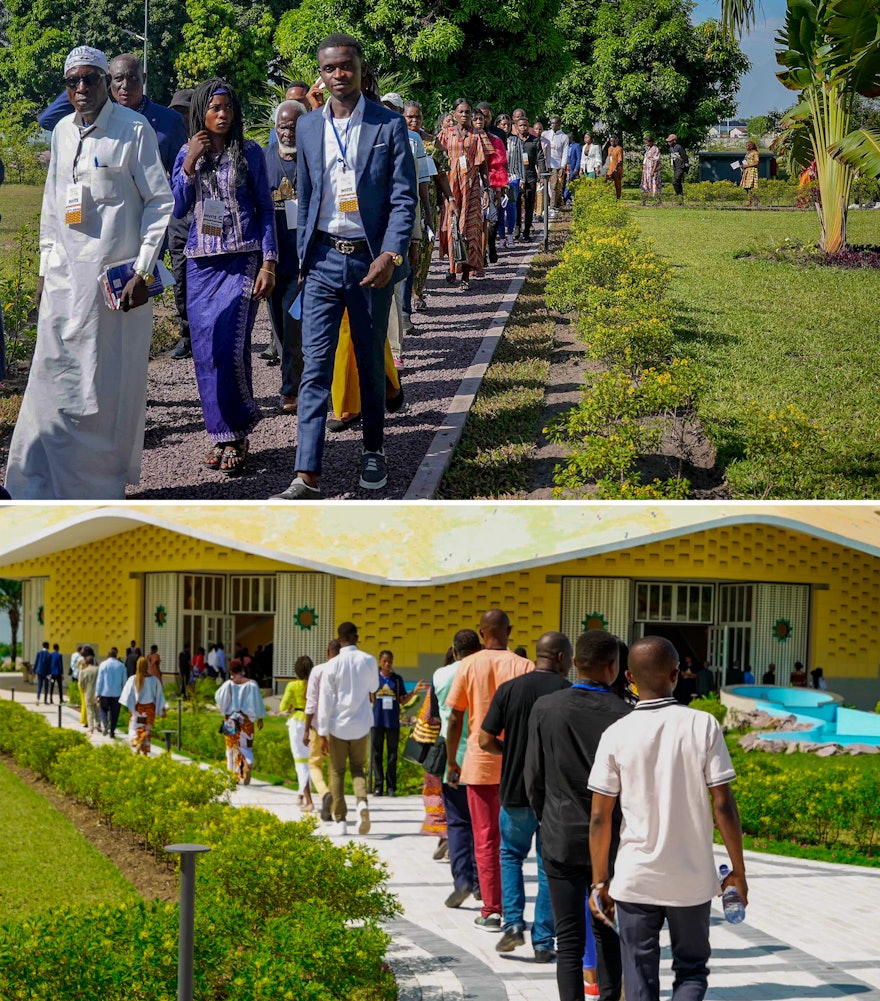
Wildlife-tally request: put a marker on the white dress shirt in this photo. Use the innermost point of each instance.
(330, 218)
(344, 707)
(558, 142)
(313, 689)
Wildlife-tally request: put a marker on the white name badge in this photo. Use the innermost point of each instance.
(212, 217)
(73, 211)
(346, 197)
(462, 162)
(387, 703)
(526, 159)
(291, 210)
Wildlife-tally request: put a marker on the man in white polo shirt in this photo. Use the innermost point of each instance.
(658, 761)
(344, 720)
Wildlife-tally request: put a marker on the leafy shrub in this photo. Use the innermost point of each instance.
(280, 912)
(710, 704)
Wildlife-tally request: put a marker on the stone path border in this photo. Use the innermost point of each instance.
(435, 463)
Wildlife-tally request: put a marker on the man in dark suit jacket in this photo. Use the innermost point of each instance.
(357, 203)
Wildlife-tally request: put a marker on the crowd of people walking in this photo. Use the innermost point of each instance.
(333, 225)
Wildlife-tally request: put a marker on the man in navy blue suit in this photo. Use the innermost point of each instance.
(357, 203)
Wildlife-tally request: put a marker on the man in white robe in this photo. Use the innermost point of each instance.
(80, 431)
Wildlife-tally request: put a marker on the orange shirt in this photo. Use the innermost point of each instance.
(615, 158)
(474, 687)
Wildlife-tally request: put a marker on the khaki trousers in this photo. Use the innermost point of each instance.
(353, 752)
(316, 765)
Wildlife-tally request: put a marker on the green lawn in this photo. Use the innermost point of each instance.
(19, 204)
(775, 334)
(45, 861)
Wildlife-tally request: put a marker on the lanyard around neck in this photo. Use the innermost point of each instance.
(343, 149)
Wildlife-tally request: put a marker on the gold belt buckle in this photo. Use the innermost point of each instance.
(345, 247)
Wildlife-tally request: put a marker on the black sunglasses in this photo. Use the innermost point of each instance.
(89, 79)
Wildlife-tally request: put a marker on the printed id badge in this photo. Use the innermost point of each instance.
(212, 217)
(387, 702)
(73, 212)
(346, 197)
(526, 159)
(291, 211)
(462, 162)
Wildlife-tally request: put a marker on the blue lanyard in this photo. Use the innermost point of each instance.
(342, 149)
(593, 688)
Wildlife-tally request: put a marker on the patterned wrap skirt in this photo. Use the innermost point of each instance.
(141, 727)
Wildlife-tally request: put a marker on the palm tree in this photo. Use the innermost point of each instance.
(830, 54)
(10, 601)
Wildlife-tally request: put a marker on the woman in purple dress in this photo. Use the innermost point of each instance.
(231, 251)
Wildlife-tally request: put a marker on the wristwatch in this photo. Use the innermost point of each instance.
(398, 260)
(144, 275)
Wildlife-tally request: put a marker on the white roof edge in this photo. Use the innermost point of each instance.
(109, 521)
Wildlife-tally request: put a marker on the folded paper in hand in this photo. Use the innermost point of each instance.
(117, 276)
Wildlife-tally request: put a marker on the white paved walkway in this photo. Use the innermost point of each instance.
(812, 931)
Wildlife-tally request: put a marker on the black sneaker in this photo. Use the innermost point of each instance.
(182, 349)
(545, 956)
(374, 474)
(512, 938)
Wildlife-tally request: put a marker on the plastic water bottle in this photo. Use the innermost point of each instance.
(731, 901)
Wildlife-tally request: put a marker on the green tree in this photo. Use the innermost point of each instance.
(759, 126)
(641, 66)
(507, 53)
(830, 54)
(10, 602)
(218, 41)
(33, 45)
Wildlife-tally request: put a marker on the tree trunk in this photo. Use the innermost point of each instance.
(13, 628)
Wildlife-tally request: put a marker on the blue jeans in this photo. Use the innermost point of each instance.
(332, 285)
(518, 826)
(510, 211)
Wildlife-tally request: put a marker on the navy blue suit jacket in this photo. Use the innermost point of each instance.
(385, 178)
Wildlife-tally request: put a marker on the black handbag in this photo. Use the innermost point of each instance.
(416, 751)
(435, 760)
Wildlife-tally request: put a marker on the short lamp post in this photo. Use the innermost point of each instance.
(186, 937)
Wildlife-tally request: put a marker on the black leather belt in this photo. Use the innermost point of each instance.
(343, 246)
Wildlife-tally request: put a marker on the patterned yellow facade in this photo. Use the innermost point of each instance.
(96, 589)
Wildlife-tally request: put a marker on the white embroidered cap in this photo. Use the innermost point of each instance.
(85, 55)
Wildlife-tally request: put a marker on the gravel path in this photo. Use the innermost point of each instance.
(447, 337)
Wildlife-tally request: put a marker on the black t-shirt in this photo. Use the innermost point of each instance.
(509, 714)
(564, 732)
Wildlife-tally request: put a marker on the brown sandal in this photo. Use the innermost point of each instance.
(215, 457)
(234, 457)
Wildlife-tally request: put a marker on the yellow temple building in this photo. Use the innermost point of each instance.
(727, 583)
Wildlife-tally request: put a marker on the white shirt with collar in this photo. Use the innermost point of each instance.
(558, 141)
(344, 706)
(330, 218)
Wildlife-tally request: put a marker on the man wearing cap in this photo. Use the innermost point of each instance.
(679, 164)
(80, 430)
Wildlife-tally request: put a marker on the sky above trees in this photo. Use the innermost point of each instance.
(760, 91)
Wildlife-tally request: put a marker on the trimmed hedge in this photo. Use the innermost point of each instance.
(281, 913)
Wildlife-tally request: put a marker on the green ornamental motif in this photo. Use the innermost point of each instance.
(306, 618)
(782, 630)
(161, 616)
(594, 620)
(40, 615)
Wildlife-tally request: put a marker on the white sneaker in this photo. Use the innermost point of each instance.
(364, 814)
(340, 829)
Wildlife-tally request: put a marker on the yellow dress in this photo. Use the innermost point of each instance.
(345, 391)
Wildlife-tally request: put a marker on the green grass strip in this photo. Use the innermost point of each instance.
(499, 441)
(45, 861)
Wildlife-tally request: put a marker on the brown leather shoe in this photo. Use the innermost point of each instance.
(288, 404)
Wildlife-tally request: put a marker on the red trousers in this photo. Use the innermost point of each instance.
(485, 808)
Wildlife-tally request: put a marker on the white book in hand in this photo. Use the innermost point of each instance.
(736, 165)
